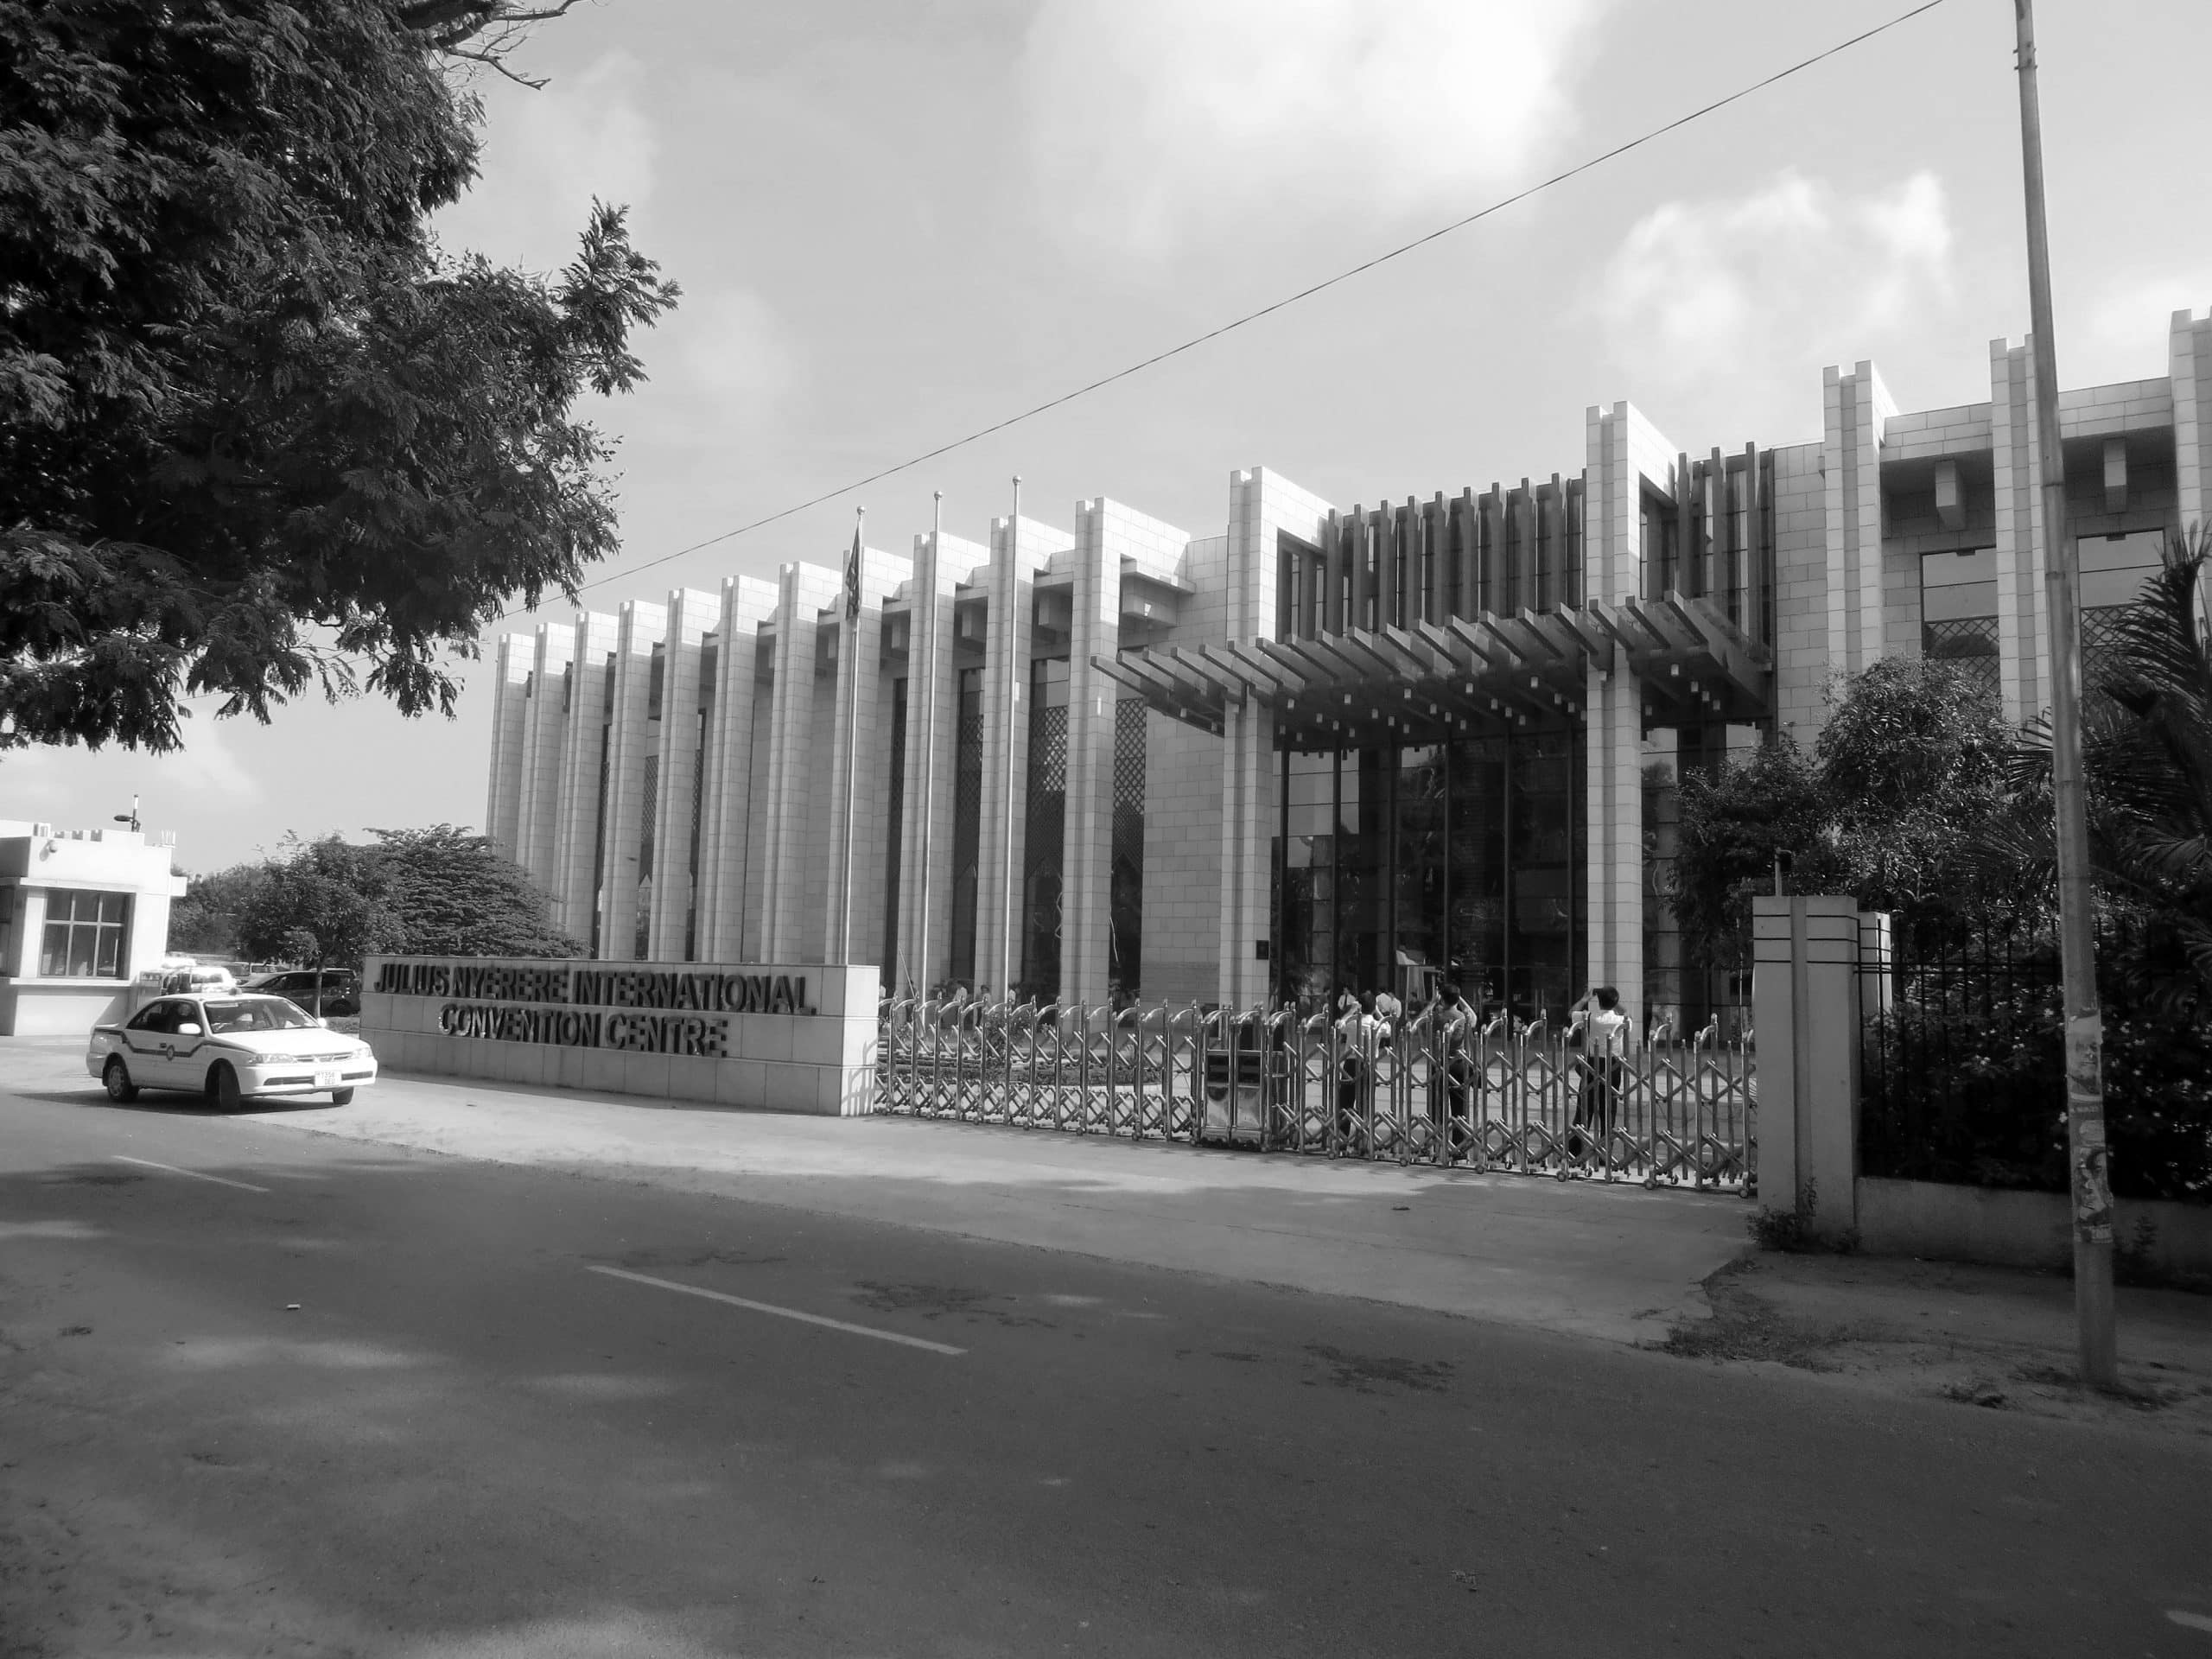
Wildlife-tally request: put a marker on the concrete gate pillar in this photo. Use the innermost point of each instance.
(1805, 1014)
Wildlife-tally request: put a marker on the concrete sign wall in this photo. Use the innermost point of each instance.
(774, 1037)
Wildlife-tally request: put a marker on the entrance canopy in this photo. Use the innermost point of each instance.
(1368, 688)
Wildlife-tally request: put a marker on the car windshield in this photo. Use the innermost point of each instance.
(257, 1014)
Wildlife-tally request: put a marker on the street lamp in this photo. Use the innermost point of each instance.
(131, 816)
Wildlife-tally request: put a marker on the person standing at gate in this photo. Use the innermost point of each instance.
(1357, 1033)
(1604, 1033)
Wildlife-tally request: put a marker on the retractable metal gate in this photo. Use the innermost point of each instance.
(1677, 1111)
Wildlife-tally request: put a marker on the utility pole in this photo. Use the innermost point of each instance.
(2088, 1175)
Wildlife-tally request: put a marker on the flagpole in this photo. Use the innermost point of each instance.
(1009, 874)
(927, 692)
(851, 677)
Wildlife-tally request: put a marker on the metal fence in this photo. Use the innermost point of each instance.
(1506, 1096)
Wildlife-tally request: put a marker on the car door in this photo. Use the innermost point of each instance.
(150, 1044)
(187, 1045)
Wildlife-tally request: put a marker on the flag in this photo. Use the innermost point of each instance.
(853, 578)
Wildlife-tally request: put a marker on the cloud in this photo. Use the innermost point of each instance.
(1155, 124)
(1792, 275)
(734, 347)
(547, 154)
(723, 364)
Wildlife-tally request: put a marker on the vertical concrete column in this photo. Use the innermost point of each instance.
(538, 827)
(509, 710)
(1612, 512)
(692, 614)
(1263, 507)
(1249, 823)
(1854, 409)
(727, 835)
(1805, 1010)
(791, 931)
(2016, 459)
(2189, 361)
(1624, 452)
(1613, 876)
(1087, 840)
(858, 817)
(638, 627)
(1109, 538)
(576, 840)
(1019, 550)
(942, 565)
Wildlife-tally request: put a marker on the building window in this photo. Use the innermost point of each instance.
(1044, 827)
(1958, 611)
(2115, 569)
(85, 935)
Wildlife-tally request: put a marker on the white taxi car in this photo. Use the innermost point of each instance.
(228, 1046)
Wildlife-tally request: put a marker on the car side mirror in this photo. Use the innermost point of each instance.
(325, 1024)
(188, 1030)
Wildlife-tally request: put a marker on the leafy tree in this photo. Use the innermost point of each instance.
(205, 922)
(439, 892)
(256, 430)
(457, 895)
(327, 904)
(1738, 822)
(2147, 761)
(1913, 766)
(1892, 806)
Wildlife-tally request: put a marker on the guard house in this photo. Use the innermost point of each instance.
(1325, 745)
(82, 913)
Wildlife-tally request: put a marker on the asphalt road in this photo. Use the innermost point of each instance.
(492, 1425)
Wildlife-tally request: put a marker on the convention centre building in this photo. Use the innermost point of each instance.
(1321, 746)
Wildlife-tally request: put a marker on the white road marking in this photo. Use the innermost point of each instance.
(2189, 1621)
(192, 1174)
(783, 1312)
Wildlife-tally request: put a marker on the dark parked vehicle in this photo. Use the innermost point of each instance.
(341, 988)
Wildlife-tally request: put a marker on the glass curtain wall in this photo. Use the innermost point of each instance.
(1044, 822)
(967, 823)
(894, 819)
(1398, 868)
(1125, 949)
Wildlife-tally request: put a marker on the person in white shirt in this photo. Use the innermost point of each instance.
(1358, 1035)
(1606, 1033)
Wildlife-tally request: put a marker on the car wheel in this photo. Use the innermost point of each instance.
(117, 1076)
(341, 1097)
(223, 1088)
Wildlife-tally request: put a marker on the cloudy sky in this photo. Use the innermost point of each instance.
(897, 221)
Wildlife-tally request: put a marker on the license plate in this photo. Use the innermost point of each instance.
(325, 1080)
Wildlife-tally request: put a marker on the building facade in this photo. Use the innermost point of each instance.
(1326, 747)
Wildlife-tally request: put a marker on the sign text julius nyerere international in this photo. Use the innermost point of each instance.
(653, 1011)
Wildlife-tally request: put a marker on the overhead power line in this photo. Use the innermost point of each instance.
(1268, 311)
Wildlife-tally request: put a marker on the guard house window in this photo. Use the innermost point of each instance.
(85, 935)
(1958, 611)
